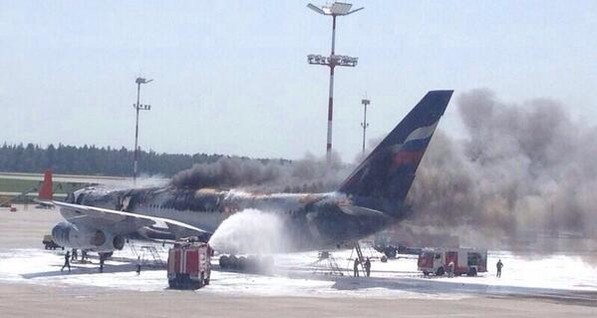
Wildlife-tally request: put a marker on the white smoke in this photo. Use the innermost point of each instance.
(250, 231)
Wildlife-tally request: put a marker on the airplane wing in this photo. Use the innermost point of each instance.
(132, 220)
(44, 203)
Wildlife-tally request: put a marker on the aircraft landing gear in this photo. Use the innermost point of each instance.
(254, 264)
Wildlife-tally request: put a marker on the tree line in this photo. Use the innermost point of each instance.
(91, 160)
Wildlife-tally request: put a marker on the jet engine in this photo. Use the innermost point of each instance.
(70, 235)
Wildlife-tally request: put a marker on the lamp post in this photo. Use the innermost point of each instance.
(334, 10)
(138, 107)
(365, 124)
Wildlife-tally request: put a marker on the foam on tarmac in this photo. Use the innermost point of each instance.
(557, 286)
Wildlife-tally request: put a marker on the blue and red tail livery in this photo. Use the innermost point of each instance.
(382, 180)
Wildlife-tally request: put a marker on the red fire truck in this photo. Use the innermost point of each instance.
(189, 265)
(466, 261)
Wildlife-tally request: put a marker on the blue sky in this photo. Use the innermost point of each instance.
(232, 77)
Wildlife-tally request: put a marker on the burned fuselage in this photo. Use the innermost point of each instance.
(310, 221)
(371, 198)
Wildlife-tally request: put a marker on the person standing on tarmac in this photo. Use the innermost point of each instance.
(368, 267)
(451, 269)
(101, 259)
(355, 267)
(499, 266)
(138, 265)
(66, 261)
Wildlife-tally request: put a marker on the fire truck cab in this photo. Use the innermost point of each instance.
(466, 261)
(431, 262)
(189, 265)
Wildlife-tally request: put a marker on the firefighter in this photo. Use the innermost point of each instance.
(66, 261)
(355, 267)
(451, 269)
(101, 259)
(367, 266)
(74, 255)
(499, 266)
(138, 265)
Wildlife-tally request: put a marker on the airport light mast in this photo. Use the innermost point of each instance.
(334, 10)
(365, 124)
(138, 107)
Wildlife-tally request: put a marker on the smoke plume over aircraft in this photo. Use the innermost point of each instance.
(371, 198)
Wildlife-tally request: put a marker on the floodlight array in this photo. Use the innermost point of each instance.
(340, 8)
(334, 60)
(142, 107)
(335, 9)
(344, 60)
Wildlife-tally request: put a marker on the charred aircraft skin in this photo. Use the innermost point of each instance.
(370, 199)
(310, 220)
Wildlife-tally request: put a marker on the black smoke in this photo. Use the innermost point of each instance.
(309, 174)
(523, 172)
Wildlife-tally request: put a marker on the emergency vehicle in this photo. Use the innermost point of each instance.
(49, 243)
(189, 265)
(466, 261)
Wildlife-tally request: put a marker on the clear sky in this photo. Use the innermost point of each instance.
(232, 77)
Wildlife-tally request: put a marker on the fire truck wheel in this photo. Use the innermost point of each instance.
(472, 272)
(390, 252)
(196, 284)
(233, 262)
(242, 263)
(224, 262)
(440, 272)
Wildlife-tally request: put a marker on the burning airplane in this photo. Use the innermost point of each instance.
(371, 198)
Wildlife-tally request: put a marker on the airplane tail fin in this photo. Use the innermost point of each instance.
(45, 189)
(383, 179)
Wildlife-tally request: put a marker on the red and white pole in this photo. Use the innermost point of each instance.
(331, 93)
(136, 152)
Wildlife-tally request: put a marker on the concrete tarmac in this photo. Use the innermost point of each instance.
(25, 300)
(25, 229)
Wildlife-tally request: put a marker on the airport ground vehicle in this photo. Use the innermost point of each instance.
(49, 243)
(189, 265)
(466, 261)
